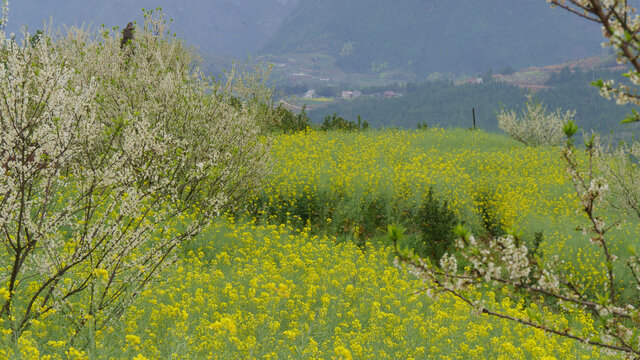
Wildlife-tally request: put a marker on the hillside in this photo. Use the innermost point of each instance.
(233, 28)
(443, 36)
(550, 76)
(447, 104)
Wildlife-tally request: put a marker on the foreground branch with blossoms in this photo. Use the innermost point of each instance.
(507, 262)
(621, 27)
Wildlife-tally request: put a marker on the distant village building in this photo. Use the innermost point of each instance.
(469, 80)
(389, 94)
(310, 94)
(351, 94)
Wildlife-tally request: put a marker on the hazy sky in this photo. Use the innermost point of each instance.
(225, 27)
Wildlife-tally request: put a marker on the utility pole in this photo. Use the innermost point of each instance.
(473, 111)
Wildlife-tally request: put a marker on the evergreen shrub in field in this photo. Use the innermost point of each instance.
(288, 122)
(435, 222)
(336, 122)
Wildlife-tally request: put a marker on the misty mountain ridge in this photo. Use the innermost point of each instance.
(356, 36)
(436, 35)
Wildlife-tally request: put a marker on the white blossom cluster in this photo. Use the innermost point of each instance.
(622, 171)
(449, 263)
(514, 258)
(495, 258)
(110, 157)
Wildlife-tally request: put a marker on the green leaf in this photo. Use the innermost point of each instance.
(515, 232)
(570, 128)
(635, 117)
(461, 231)
(603, 300)
(590, 142)
(395, 232)
(599, 83)
(596, 338)
(609, 265)
(534, 315)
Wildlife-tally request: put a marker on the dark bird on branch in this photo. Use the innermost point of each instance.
(127, 35)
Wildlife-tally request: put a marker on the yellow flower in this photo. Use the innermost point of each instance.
(224, 324)
(290, 334)
(101, 274)
(75, 354)
(342, 353)
(4, 294)
(56, 344)
(132, 340)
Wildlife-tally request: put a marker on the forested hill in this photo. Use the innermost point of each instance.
(426, 36)
(444, 104)
(233, 28)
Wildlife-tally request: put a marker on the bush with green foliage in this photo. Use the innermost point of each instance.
(336, 122)
(288, 122)
(434, 220)
(490, 219)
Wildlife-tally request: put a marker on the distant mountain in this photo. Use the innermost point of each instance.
(356, 36)
(426, 36)
(232, 28)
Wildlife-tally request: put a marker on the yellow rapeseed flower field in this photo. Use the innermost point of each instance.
(486, 178)
(248, 289)
(460, 164)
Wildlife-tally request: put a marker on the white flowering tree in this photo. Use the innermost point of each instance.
(109, 158)
(537, 126)
(609, 174)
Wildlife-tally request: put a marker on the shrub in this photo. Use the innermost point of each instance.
(435, 222)
(288, 122)
(490, 219)
(537, 127)
(422, 126)
(336, 122)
